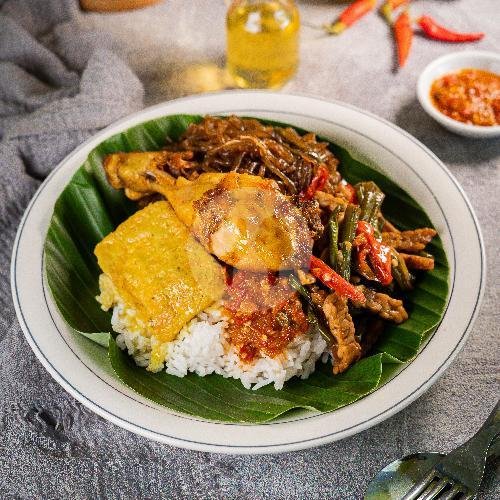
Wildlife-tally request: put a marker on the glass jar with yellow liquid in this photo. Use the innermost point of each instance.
(262, 42)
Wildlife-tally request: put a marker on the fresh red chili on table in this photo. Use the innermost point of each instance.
(390, 6)
(317, 184)
(379, 254)
(351, 14)
(437, 32)
(403, 34)
(334, 281)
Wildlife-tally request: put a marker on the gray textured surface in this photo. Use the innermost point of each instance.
(50, 445)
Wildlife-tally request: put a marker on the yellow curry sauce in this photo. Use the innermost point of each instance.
(159, 270)
(469, 96)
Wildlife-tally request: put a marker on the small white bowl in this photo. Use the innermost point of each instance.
(478, 59)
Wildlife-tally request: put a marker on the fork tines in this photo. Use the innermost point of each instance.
(438, 486)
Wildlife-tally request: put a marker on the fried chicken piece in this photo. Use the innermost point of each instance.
(142, 174)
(409, 241)
(242, 219)
(251, 227)
(382, 304)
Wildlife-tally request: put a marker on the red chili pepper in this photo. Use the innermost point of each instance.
(438, 32)
(351, 14)
(397, 3)
(317, 184)
(379, 254)
(353, 197)
(390, 6)
(334, 281)
(362, 254)
(403, 34)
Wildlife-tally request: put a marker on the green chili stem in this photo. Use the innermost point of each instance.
(312, 309)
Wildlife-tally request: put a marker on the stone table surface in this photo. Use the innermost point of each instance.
(53, 447)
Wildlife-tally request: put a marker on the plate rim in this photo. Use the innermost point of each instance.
(225, 448)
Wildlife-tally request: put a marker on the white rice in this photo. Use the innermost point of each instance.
(201, 347)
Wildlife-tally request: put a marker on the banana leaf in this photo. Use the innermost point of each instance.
(88, 209)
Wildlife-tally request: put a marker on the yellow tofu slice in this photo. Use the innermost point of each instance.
(160, 270)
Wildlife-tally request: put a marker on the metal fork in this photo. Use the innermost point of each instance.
(459, 474)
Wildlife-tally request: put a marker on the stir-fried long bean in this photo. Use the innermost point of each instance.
(350, 222)
(400, 272)
(300, 289)
(347, 234)
(313, 313)
(315, 325)
(333, 229)
(370, 200)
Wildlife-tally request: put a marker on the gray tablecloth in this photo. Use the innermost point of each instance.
(65, 74)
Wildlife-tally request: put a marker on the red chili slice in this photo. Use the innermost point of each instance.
(334, 281)
(378, 254)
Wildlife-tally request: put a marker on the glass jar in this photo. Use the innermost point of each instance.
(262, 42)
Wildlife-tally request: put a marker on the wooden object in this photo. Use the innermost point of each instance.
(114, 5)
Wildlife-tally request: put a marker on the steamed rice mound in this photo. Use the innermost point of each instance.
(202, 347)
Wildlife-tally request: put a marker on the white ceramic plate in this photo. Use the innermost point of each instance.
(67, 356)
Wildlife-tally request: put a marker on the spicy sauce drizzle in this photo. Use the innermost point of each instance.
(265, 314)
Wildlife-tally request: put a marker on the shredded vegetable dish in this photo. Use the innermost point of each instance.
(248, 236)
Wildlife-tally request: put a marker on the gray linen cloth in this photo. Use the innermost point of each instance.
(58, 86)
(60, 82)
(51, 100)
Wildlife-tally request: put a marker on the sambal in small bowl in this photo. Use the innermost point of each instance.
(461, 91)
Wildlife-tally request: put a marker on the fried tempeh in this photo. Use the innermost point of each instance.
(382, 304)
(409, 241)
(329, 201)
(346, 350)
(374, 328)
(388, 227)
(418, 262)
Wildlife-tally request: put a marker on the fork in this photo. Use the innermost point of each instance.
(459, 474)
